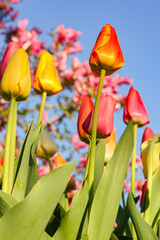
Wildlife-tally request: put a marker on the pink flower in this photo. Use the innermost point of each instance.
(11, 48)
(22, 24)
(134, 109)
(148, 134)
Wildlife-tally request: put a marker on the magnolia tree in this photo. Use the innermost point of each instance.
(61, 112)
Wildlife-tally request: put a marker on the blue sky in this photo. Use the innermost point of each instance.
(137, 25)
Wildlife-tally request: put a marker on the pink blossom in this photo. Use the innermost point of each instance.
(15, 1)
(22, 24)
(43, 170)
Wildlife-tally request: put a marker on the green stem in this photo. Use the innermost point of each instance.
(12, 147)
(87, 165)
(93, 137)
(149, 178)
(49, 162)
(7, 167)
(133, 168)
(44, 94)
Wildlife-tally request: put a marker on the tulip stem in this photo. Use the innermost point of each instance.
(44, 94)
(9, 150)
(93, 138)
(133, 168)
(149, 178)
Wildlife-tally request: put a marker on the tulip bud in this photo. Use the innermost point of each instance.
(107, 53)
(59, 161)
(145, 147)
(16, 80)
(11, 48)
(110, 146)
(148, 134)
(134, 109)
(105, 117)
(46, 147)
(46, 77)
(85, 109)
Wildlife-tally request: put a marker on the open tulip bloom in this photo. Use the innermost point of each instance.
(36, 207)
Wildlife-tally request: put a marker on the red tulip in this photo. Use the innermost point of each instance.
(85, 109)
(105, 117)
(11, 48)
(148, 134)
(134, 109)
(107, 53)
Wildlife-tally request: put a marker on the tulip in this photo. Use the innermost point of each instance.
(59, 161)
(148, 134)
(110, 146)
(85, 109)
(107, 53)
(11, 48)
(105, 117)
(46, 77)
(16, 80)
(134, 109)
(46, 147)
(145, 147)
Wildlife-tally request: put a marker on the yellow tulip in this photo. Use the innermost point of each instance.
(145, 147)
(46, 77)
(16, 80)
(110, 146)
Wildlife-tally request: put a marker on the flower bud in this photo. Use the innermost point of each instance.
(145, 147)
(134, 109)
(107, 53)
(11, 48)
(16, 80)
(46, 77)
(105, 117)
(46, 147)
(110, 146)
(85, 109)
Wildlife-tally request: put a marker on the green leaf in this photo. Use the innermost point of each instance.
(32, 169)
(142, 228)
(113, 237)
(155, 200)
(28, 219)
(99, 162)
(6, 202)
(72, 219)
(19, 188)
(107, 198)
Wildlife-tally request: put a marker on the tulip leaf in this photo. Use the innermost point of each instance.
(28, 219)
(99, 162)
(107, 197)
(19, 188)
(154, 201)
(142, 228)
(6, 202)
(113, 237)
(72, 219)
(32, 169)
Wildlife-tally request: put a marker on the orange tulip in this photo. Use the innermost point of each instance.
(59, 161)
(110, 146)
(107, 53)
(46, 77)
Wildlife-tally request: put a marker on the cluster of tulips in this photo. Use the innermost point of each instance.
(37, 208)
